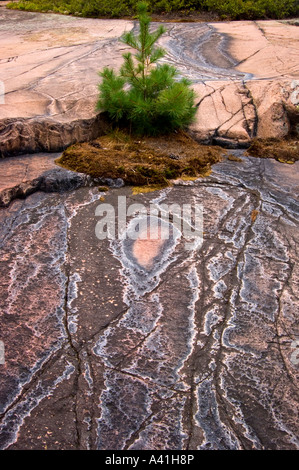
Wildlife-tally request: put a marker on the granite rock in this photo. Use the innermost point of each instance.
(49, 77)
(127, 344)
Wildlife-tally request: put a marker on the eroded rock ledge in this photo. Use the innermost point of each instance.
(32, 135)
(27, 174)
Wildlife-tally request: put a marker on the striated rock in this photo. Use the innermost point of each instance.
(128, 344)
(160, 343)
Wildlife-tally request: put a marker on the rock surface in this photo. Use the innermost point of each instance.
(26, 174)
(138, 344)
(153, 342)
(243, 72)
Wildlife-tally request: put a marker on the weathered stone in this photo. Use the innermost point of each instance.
(26, 174)
(265, 49)
(243, 72)
(226, 114)
(272, 101)
(45, 135)
(130, 344)
(111, 347)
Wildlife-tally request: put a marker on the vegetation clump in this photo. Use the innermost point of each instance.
(148, 108)
(146, 96)
(282, 150)
(228, 9)
(150, 161)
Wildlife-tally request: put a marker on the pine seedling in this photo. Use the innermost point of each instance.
(146, 96)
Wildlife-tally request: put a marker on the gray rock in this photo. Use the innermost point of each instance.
(125, 345)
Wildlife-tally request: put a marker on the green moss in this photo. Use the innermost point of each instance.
(152, 161)
(233, 158)
(147, 189)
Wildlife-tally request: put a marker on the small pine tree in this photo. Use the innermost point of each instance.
(146, 95)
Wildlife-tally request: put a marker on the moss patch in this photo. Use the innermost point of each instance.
(285, 151)
(150, 161)
(147, 189)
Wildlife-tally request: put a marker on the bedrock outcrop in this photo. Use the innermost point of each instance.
(26, 174)
(245, 75)
(183, 342)
(181, 337)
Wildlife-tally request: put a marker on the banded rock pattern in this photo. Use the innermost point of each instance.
(107, 347)
(147, 343)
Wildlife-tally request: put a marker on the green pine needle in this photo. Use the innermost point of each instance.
(145, 95)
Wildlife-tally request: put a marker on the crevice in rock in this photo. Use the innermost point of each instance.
(251, 102)
(221, 326)
(258, 26)
(148, 420)
(149, 381)
(121, 364)
(33, 379)
(135, 435)
(279, 320)
(206, 96)
(73, 345)
(250, 56)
